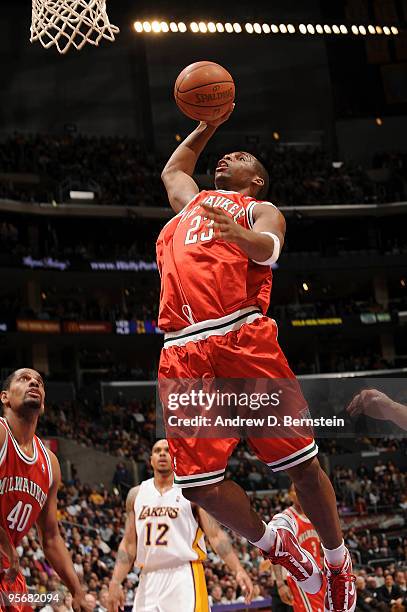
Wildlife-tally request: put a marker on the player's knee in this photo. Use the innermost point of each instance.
(305, 473)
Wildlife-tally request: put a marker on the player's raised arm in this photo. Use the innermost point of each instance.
(268, 219)
(177, 174)
(126, 555)
(53, 545)
(220, 542)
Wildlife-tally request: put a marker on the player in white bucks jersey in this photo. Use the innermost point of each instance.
(164, 536)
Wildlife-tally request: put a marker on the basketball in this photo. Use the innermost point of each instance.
(204, 90)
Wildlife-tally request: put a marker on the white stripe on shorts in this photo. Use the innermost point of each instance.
(212, 327)
(197, 480)
(295, 458)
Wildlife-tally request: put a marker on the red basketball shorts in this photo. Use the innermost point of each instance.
(242, 345)
(12, 594)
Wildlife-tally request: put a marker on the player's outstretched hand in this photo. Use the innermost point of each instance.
(245, 583)
(373, 403)
(115, 599)
(217, 122)
(224, 226)
(286, 594)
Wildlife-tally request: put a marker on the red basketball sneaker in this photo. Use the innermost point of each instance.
(340, 591)
(287, 552)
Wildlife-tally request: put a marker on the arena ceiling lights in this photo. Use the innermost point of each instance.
(308, 29)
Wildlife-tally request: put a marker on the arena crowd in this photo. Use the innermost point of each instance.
(121, 171)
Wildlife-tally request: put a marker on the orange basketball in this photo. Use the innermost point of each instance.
(204, 90)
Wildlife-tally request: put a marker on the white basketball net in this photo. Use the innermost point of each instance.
(66, 23)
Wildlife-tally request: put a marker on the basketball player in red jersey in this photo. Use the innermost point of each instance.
(214, 259)
(29, 479)
(292, 593)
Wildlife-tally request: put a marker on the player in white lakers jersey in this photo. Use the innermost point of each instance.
(165, 537)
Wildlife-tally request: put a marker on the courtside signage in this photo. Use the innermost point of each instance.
(38, 326)
(316, 322)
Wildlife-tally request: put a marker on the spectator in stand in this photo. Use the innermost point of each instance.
(91, 599)
(122, 478)
(102, 600)
(366, 601)
(401, 581)
(374, 550)
(230, 595)
(390, 593)
(216, 595)
(360, 506)
(255, 478)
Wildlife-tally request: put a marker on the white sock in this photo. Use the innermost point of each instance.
(335, 556)
(267, 539)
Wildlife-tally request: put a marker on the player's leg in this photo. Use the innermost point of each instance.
(260, 357)
(228, 503)
(292, 451)
(317, 497)
(296, 456)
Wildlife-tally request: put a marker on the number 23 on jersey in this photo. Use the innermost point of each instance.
(194, 234)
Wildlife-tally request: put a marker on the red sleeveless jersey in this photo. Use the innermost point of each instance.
(306, 534)
(24, 485)
(203, 278)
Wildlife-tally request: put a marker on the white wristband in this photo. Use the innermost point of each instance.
(276, 251)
